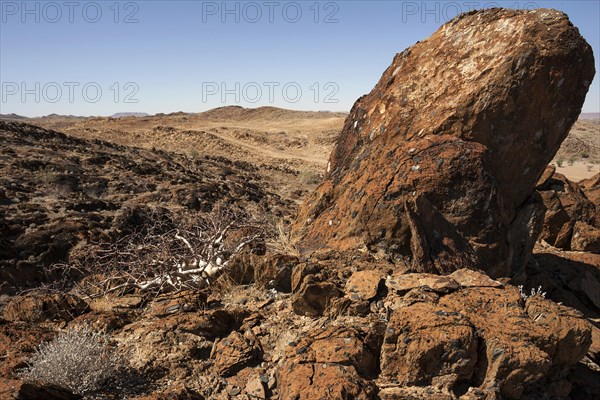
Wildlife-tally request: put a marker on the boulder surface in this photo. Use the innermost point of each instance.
(437, 164)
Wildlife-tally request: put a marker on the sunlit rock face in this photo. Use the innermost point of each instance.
(438, 163)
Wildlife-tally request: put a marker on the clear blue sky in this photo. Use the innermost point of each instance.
(195, 55)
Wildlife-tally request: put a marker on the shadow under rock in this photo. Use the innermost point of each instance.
(573, 279)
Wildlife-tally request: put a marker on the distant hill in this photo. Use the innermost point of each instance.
(130, 114)
(12, 116)
(590, 117)
(60, 116)
(265, 113)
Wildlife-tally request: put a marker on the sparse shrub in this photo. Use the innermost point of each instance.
(283, 241)
(47, 175)
(585, 155)
(80, 360)
(310, 177)
(589, 167)
(560, 161)
(194, 153)
(572, 161)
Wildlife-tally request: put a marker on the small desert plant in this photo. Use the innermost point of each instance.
(572, 161)
(46, 175)
(560, 161)
(310, 177)
(80, 360)
(590, 167)
(534, 292)
(283, 241)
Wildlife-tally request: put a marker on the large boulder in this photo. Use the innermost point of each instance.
(437, 165)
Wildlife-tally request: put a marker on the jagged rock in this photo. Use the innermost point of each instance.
(522, 354)
(568, 208)
(273, 271)
(313, 290)
(469, 278)
(591, 188)
(412, 393)
(428, 345)
(110, 303)
(363, 285)
(311, 381)
(234, 352)
(255, 388)
(436, 283)
(44, 307)
(334, 362)
(546, 175)
(570, 333)
(33, 391)
(103, 321)
(585, 238)
(313, 297)
(186, 301)
(174, 394)
(181, 341)
(300, 272)
(421, 169)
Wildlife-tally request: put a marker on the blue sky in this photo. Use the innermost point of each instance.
(102, 57)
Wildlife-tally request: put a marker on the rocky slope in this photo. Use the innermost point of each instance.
(57, 191)
(290, 148)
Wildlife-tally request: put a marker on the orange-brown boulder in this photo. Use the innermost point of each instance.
(426, 344)
(44, 307)
(334, 363)
(591, 187)
(437, 164)
(571, 220)
(234, 352)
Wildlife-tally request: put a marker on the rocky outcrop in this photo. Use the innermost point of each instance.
(336, 360)
(571, 221)
(591, 187)
(44, 307)
(400, 336)
(437, 164)
(463, 335)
